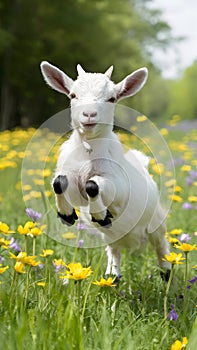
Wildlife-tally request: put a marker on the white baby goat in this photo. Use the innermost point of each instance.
(118, 194)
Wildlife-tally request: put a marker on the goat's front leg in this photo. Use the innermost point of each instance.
(113, 264)
(100, 192)
(66, 212)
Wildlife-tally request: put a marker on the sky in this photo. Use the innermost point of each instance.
(181, 15)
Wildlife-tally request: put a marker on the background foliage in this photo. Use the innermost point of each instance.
(94, 33)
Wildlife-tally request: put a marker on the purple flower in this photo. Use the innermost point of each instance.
(189, 181)
(80, 226)
(34, 215)
(14, 245)
(187, 206)
(193, 174)
(184, 237)
(192, 281)
(80, 243)
(173, 316)
(1, 259)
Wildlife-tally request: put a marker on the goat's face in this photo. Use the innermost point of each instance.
(93, 95)
(93, 98)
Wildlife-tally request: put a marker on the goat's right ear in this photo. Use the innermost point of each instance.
(55, 78)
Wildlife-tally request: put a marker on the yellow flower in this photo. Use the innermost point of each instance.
(141, 118)
(3, 269)
(105, 283)
(175, 198)
(170, 183)
(173, 241)
(19, 267)
(25, 259)
(5, 243)
(186, 168)
(4, 228)
(69, 235)
(178, 345)
(27, 228)
(41, 284)
(192, 199)
(163, 131)
(176, 231)
(178, 189)
(36, 231)
(174, 258)
(59, 262)
(77, 272)
(47, 252)
(186, 247)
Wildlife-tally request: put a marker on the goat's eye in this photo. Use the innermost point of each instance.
(112, 100)
(72, 95)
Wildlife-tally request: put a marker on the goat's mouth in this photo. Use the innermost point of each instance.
(88, 125)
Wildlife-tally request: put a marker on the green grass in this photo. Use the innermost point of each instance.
(81, 315)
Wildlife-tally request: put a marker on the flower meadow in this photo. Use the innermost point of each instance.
(54, 295)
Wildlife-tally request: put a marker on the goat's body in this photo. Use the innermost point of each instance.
(113, 190)
(134, 204)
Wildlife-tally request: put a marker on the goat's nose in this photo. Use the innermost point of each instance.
(90, 114)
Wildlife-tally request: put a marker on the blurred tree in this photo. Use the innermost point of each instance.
(95, 33)
(183, 94)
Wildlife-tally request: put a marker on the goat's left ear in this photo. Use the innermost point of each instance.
(132, 83)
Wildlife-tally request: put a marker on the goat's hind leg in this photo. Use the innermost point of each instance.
(100, 192)
(161, 245)
(65, 212)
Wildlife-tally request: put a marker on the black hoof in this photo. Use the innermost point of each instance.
(92, 189)
(165, 275)
(60, 184)
(106, 222)
(68, 220)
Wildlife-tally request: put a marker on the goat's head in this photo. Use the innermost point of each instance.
(93, 95)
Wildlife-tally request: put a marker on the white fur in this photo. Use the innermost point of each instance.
(94, 153)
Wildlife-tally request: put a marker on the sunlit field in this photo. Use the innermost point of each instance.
(55, 296)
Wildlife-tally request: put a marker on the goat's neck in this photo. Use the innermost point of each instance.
(99, 141)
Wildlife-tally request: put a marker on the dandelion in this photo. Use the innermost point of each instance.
(19, 267)
(5, 243)
(77, 272)
(175, 198)
(186, 247)
(69, 235)
(178, 345)
(141, 118)
(173, 241)
(3, 269)
(105, 283)
(41, 284)
(24, 230)
(25, 259)
(176, 231)
(192, 199)
(34, 215)
(174, 258)
(47, 252)
(4, 228)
